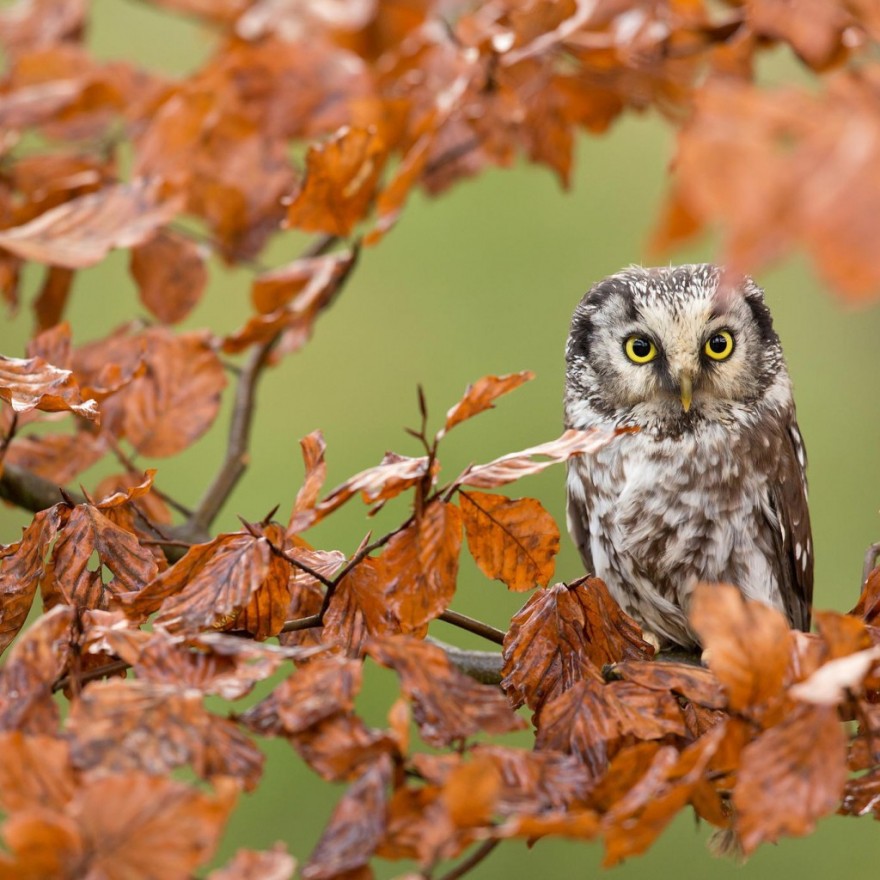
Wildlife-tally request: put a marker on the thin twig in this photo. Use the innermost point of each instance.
(7, 438)
(311, 622)
(92, 674)
(474, 859)
(483, 666)
(870, 561)
(477, 627)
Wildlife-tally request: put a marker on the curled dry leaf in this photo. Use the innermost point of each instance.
(514, 541)
(695, 683)
(341, 178)
(832, 682)
(81, 232)
(35, 772)
(31, 383)
(482, 396)
(790, 776)
(747, 645)
(313, 449)
(515, 465)
(419, 566)
(355, 828)
(170, 273)
(447, 704)
(868, 606)
(248, 864)
(565, 634)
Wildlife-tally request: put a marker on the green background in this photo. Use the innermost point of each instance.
(483, 280)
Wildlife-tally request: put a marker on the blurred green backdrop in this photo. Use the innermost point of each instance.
(483, 280)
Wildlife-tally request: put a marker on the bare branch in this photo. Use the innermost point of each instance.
(484, 666)
(474, 859)
(30, 492)
(477, 627)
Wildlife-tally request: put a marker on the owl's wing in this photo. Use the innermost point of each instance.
(577, 514)
(792, 538)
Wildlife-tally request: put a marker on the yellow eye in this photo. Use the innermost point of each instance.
(640, 350)
(719, 346)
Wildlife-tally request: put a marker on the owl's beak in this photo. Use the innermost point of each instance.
(685, 383)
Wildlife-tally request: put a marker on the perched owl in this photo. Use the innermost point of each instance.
(712, 486)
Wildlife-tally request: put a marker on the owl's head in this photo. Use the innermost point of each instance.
(671, 347)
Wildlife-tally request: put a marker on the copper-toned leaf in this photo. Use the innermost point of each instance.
(420, 565)
(31, 383)
(80, 232)
(358, 609)
(861, 795)
(591, 720)
(171, 275)
(747, 645)
(790, 776)
(523, 464)
(833, 682)
(214, 583)
(112, 729)
(634, 822)
(27, 24)
(248, 864)
(51, 301)
(482, 396)
(471, 792)
(565, 634)
(35, 772)
(394, 474)
(868, 606)
(307, 594)
(21, 566)
(694, 683)
(341, 178)
(447, 704)
(355, 828)
(514, 541)
(313, 448)
(177, 400)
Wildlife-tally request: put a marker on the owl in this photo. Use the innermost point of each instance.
(711, 485)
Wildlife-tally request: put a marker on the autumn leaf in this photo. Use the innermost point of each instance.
(790, 776)
(31, 383)
(482, 396)
(747, 645)
(565, 634)
(340, 181)
(80, 232)
(419, 566)
(247, 864)
(447, 704)
(171, 275)
(515, 465)
(515, 541)
(313, 449)
(694, 683)
(35, 772)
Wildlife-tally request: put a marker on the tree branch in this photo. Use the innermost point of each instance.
(477, 627)
(31, 492)
(483, 666)
(474, 859)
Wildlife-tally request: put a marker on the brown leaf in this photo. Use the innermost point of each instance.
(565, 634)
(313, 449)
(52, 299)
(419, 566)
(21, 566)
(790, 776)
(592, 720)
(482, 396)
(522, 464)
(248, 864)
(514, 541)
(170, 273)
(58, 458)
(359, 610)
(635, 821)
(835, 681)
(112, 730)
(341, 178)
(37, 660)
(861, 795)
(747, 646)
(81, 232)
(31, 23)
(355, 828)
(868, 606)
(178, 398)
(35, 772)
(307, 594)
(471, 792)
(694, 683)
(214, 583)
(88, 531)
(447, 704)
(31, 383)
(393, 475)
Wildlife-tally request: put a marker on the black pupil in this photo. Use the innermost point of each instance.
(718, 344)
(641, 348)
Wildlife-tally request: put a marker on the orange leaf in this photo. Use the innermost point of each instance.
(447, 704)
(482, 394)
(341, 178)
(419, 566)
(522, 464)
(565, 634)
(248, 864)
(31, 383)
(694, 683)
(747, 645)
(81, 232)
(514, 541)
(790, 776)
(171, 275)
(313, 448)
(35, 772)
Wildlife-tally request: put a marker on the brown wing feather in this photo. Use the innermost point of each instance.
(791, 534)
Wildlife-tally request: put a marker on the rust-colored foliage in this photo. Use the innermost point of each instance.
(325, 119)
